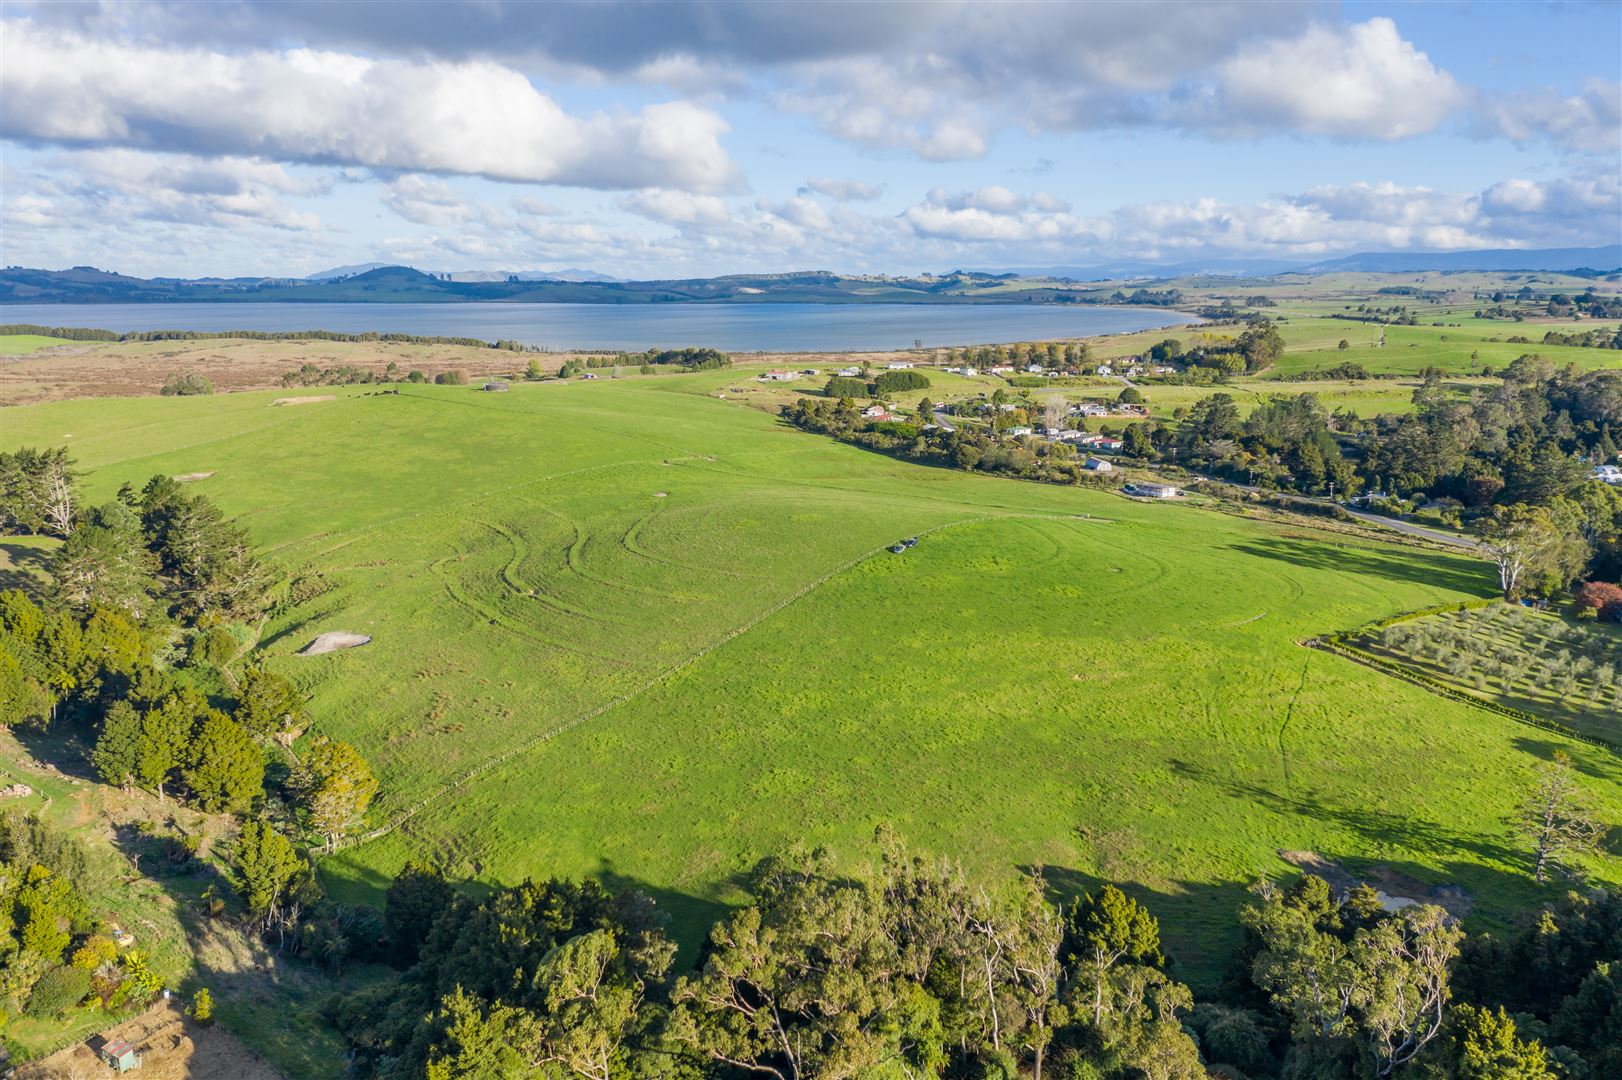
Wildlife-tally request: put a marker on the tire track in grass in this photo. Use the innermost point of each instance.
(540, 739)
(575, 559)
(495, 617)
(1289, 714)
(521, 552)
(427, 801)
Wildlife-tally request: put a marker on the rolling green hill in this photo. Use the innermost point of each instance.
(628, 628)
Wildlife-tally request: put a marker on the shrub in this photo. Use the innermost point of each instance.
(97, 950)
(58, 990)
(186, 384)
(843, 387)
(1130, 396)
(1601, 598)
(890, 382)
(202, 1006)
(454, 377)
(213, 648)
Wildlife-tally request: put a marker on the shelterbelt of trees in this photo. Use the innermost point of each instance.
(134, 647)
(912, 969)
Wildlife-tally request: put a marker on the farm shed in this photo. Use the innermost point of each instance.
(119, 1054)
(1098, 465)
(496, 387)
(1156, 491)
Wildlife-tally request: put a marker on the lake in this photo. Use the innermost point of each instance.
(735, 327)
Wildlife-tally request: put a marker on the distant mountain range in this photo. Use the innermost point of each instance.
(1608, 257)
(401, 284)
(382, 283)
(469, 275)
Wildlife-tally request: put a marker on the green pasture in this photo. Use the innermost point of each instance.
(633, 628)
(18, 344)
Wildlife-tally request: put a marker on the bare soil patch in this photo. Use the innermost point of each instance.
(186, 478)
(305, 400)
(171, 1045)
(332, 641)
(1395, 889)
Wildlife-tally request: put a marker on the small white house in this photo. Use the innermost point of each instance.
(1154, 491)
(1105, 369)
(899, 365)
(1002, 369)
(1019, 431)
(876, 412)
(779, 376)
(849, 372)
(1109, 443)
(1034, 369)
(1608, 474)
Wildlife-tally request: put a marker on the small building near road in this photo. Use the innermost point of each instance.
(1153, 491)
(1608, 474)
(119, 1055)
(899, 365)
(1093, 464)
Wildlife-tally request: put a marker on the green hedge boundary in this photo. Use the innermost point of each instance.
(1337, 644)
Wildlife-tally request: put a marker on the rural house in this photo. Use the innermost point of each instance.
(779, 376)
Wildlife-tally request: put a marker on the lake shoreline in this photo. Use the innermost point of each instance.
(750, 326)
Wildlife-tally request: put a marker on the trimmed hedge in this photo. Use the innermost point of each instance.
(843, 386)
(890, 382)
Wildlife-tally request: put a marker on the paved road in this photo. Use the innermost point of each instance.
(1469, 543)
(942, 422)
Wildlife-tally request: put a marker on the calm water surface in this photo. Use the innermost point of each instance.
(735, 327)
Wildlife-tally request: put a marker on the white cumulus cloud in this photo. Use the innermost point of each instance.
(1362, 81)
(305, 105)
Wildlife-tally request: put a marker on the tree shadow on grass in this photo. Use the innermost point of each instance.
(1402, 564)
(60, 747)
(28, 572)
(1597, 762)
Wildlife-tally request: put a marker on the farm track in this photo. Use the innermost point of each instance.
(428, 801)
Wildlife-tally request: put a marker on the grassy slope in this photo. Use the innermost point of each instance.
(1022, 673)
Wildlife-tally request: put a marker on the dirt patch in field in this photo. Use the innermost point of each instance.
(332, 641)
(186, 478)
(305, 400)
(172, 1047)
(1395, 889)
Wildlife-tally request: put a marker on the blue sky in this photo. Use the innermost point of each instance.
(647, 140)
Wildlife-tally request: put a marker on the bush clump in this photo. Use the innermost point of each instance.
(58, 990)
(186, 384)
(213, 648)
